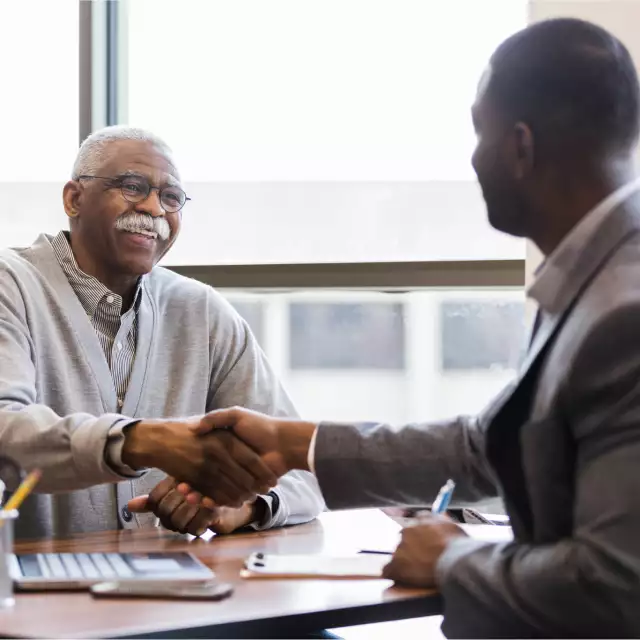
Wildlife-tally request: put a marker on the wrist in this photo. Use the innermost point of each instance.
(139, 449)
(295, 439)
(257, 511)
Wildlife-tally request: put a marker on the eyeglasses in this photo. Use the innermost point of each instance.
(137, 189)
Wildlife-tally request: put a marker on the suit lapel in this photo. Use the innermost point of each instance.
(513, 411)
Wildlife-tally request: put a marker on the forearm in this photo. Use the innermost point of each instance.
(69, 450)
(361, 465)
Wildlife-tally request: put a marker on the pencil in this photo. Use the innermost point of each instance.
(25, 488)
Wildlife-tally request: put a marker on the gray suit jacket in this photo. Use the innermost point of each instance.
(561, 445)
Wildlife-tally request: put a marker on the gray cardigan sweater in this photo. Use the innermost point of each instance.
(58, 402)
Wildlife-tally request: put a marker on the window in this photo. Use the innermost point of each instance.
(320, 131)
(481, 335)
(367, 355)
(346, 336)
(40, 114)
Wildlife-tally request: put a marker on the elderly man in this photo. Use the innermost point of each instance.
(102, 352)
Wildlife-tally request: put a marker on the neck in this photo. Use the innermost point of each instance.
(123, 284)
(578, 195)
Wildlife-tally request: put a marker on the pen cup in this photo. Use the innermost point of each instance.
(7, 519)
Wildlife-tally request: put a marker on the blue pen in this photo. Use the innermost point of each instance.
(443, 498)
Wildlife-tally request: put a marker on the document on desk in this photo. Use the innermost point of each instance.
(351, 567)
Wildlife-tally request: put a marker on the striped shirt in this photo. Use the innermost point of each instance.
(117, 332)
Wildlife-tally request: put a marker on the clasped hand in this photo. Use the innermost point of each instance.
(213, 461)
(218, 472)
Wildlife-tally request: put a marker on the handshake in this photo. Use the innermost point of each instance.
(217, 466)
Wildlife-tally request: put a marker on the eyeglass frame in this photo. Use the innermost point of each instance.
(120, 180)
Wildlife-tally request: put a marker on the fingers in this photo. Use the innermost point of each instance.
(139, 504)
(167, 506)
(159, 492)
(388, 570)
(216, 420)
(400, 569)
(184, 488)
(208, 503)
(194, 497)
(203, 520)
(231, 473)
(166, 503)
(175, 513)
(249, 460)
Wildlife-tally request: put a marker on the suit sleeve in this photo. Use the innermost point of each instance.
(370, 465)
(587, 585)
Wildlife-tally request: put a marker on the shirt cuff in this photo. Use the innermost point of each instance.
(271, 503)
(113, 449)
(311, 456)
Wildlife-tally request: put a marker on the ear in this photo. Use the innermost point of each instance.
(523, 151)
(71, 198)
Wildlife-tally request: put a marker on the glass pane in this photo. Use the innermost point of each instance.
(481, 334)
(346, 335)
(402, 357)
(320, 131)
(40, 113)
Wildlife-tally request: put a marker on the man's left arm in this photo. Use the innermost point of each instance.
(587, 585)
(243, 377)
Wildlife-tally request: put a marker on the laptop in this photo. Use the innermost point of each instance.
(73, 571)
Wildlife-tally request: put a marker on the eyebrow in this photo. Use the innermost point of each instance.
(169, 182)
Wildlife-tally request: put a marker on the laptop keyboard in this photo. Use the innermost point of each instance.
(75, 566)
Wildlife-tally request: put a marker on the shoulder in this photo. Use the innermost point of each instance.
(172, 290)
(17, 268)
(614, 294)
(36, 259)
(605, 324)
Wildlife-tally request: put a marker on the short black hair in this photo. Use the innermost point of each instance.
(572, 82)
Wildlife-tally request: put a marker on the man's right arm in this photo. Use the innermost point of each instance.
(71, 450)
(368, 464)
(68, 449)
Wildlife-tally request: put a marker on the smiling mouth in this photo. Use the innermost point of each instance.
(142, 232)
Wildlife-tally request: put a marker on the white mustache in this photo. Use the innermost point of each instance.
(135, 222)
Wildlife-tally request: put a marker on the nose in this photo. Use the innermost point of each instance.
(151, 205)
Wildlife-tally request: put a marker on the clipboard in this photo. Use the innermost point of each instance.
(316, 567)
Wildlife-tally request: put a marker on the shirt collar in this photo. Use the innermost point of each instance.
(90, 290)
(546, 289)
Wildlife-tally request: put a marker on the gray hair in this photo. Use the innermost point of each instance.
(93, 150)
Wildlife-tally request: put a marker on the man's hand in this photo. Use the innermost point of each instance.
(282, 443)
(414, 561)
(218, 464)
(176, 514)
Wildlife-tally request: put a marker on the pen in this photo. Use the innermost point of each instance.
(443, 498)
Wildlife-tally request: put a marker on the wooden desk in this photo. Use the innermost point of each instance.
(258, 608)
